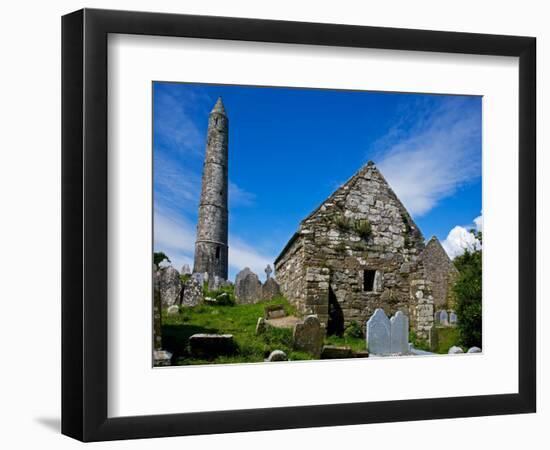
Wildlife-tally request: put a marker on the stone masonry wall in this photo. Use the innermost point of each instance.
(361, 227)
(290, 274)
(211, 254)
(441, 272)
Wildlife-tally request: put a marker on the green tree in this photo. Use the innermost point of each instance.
(158, 257)
(467, 289)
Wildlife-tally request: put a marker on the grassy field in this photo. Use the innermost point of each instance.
(240, 321)
(447, 338)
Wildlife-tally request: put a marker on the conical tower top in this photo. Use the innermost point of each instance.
(218, 107)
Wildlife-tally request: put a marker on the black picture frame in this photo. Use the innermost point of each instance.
(84, 224)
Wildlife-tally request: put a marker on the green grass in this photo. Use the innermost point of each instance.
(447, 337)
(355, 343)
(238, 320)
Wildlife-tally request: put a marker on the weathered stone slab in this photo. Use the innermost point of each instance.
(474, 350)
(170, 286)
(260, 326)
(309, 336)
(211, 345)
(336, 352)
(173, 310)
(199, 277)
(157, 306)
(162, 358)
(185, 270)
(444, 319)
(248, 288)
(274, 312)
(453, 319)
(192, 292)
(277, 355)
(399, 333)
(270, 289)
(378, 333)
(455, 350)
(216, 283)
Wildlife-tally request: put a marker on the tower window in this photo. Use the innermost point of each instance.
(217, 252)
(368, 280)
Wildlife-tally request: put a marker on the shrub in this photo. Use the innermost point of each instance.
(343, 223)
(185, 278)
(362, 228)
(420, 344)
(353, 330)
(467, 290)
(159, 257)
(225, 296)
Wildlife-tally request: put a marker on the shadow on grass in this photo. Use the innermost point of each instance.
(176, 337)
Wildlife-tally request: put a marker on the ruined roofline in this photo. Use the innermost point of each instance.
(291, 241)
(349, 182)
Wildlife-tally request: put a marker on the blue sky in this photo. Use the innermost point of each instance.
(289, 149)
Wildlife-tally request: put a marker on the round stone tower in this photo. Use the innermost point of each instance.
(211, 242)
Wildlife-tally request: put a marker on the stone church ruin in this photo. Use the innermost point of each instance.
(358, 251)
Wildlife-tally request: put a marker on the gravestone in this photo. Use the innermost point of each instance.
(185, 270)
(170, 286)
(399, 333)
(248, 288)
(161, 358)
(437, 317)
(309, 336)
(242, 274)
(198, 277)
(173, 310)
(270, 289)
(268, 270)
(474, 350)
(336, 352)
(453, 318)
(454, 350)
(274, 312)
(157, 305)
(378, 333)
(444, 318)
(192, 292)
(211, 345)
(215, 283)
(277, 355)
(260, 326)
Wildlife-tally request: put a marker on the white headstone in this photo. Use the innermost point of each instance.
(474, 350)
(455, 350)
(444, 318)
(437, 317)
(453, 318)
(399, 333)
(378, 333)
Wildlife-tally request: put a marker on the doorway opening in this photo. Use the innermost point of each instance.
(335, 324)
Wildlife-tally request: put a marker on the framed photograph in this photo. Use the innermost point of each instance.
(273, 224)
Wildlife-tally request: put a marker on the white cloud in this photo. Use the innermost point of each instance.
(242, 255)
(431, 158)
(461, 239)
(176, 237)
(478, 221)
(240, 197)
